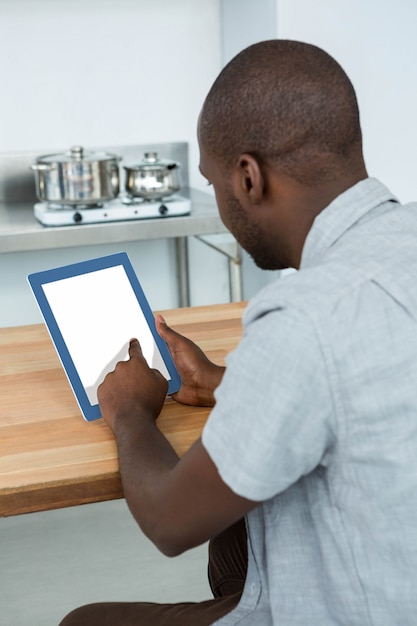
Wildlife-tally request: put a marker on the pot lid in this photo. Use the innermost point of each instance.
(151, 162)
(77, 153)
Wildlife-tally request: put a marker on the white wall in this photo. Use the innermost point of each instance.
(376, 44)
(245, 22)
(99, 72)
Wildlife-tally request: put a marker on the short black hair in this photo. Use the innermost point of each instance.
(287, 103)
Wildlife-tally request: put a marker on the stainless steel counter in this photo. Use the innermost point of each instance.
(20, 231)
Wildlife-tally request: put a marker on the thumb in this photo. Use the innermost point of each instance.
(168, 335)
(162, 327)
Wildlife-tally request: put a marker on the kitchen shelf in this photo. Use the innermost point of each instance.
(21, 232)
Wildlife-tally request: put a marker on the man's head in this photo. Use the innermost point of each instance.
(281, 115)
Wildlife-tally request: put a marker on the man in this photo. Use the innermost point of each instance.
(313, 433)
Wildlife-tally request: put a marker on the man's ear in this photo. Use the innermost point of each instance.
(248, 179)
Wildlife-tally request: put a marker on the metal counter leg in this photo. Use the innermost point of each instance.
(181, 249)
(228, 246)
(235, 276)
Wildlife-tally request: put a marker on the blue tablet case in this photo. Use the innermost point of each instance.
(92, 309)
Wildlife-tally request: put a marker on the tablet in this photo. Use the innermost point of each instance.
(92, 309)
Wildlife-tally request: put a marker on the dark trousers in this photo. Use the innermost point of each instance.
(226, 572)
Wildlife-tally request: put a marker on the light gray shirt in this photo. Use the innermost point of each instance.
(316, 418)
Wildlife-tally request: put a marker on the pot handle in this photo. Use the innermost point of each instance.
(40, 167)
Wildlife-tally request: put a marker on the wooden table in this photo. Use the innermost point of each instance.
(49, 456)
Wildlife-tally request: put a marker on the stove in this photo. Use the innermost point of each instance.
(120, 209)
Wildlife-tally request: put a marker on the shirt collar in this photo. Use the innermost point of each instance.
(340, 215)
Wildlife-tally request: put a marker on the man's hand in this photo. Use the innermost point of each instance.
(132, 391)
(199, 376)
(178, 503)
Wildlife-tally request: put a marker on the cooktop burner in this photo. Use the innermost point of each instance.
(120, 209)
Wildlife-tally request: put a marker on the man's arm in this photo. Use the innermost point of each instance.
(178, 503)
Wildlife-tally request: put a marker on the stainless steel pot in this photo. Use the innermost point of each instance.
(152, 178)
(77, 177)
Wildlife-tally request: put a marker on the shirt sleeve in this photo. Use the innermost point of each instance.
(273, 418)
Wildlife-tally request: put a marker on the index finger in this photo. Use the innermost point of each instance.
(135, 350)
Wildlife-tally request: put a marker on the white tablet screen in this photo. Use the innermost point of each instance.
(98, 313)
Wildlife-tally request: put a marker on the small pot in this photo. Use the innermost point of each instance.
(77, 177)
(152, 178)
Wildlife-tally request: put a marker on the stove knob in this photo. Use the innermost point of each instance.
(77, 217)
(163, 209)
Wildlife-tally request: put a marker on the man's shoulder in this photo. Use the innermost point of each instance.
(309, 291)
